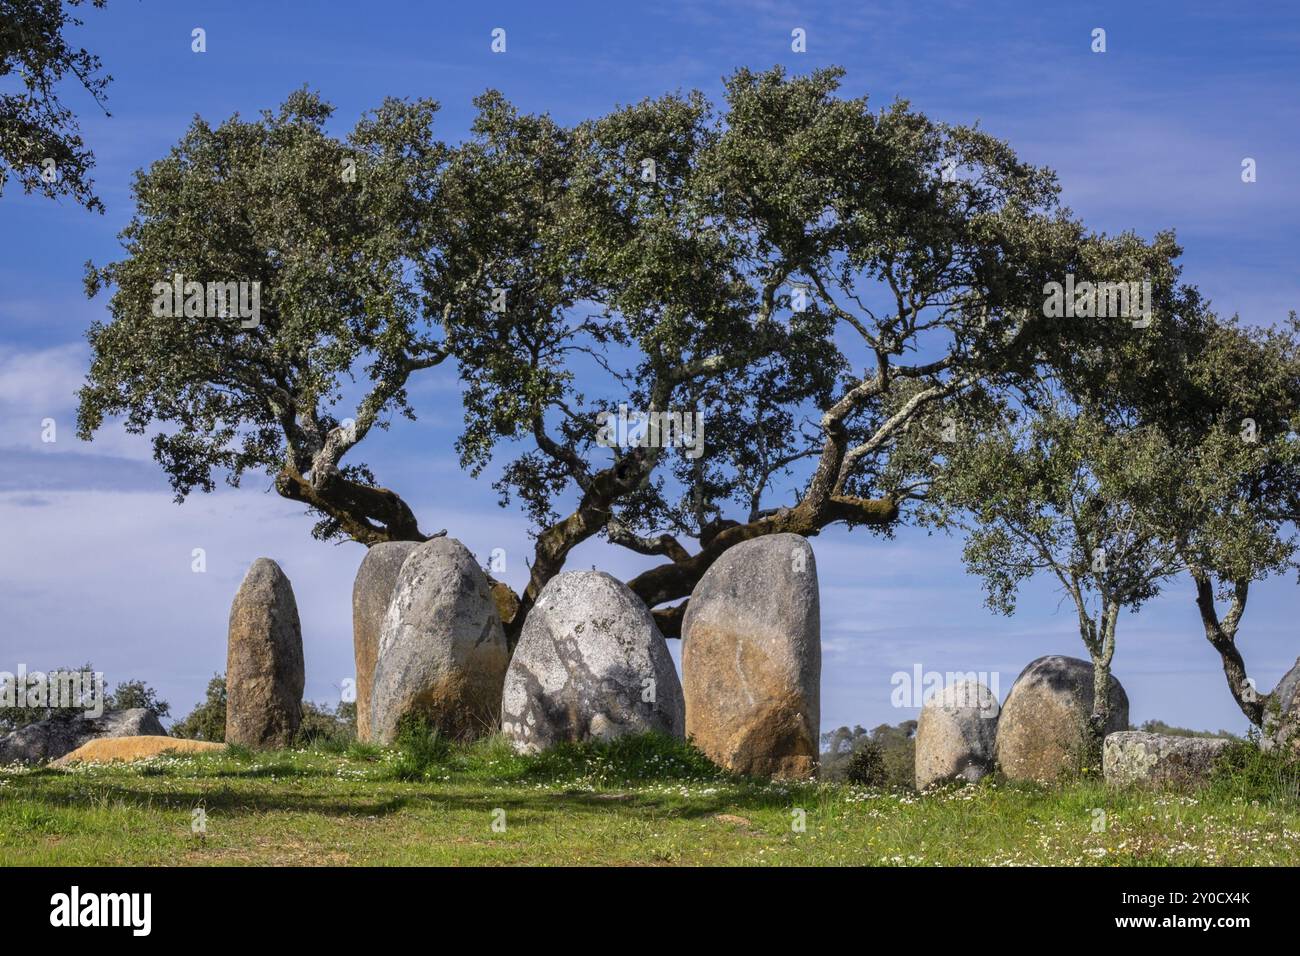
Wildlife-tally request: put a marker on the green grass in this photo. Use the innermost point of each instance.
(638, 801)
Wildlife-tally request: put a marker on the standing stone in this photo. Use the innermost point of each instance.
(956, 734)
(1136, 757)
(752, 659)
(1043, 731)
(590, 665)
(264, 669)
(442, 650)
(371, 593)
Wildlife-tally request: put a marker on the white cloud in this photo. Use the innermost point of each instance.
(41, 378)
(41, 383)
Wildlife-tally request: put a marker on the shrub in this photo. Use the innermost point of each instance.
(346, 712)
(420, 748)
(1246, 771)
(900, 763)
(326, 728)
(207, 721)
(866, 767)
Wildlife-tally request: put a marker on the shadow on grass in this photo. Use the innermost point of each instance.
(224, 798)
(449, 797)
(283, 771)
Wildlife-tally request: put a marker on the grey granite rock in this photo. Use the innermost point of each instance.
(590, 665)
(956, 734)
(51, 739)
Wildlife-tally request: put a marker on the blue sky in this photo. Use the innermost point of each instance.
(1148, 135)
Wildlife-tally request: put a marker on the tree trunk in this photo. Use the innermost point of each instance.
(1101, 661)
(1222, 635)
(367, 514)
(1100, 698)
(555, 543)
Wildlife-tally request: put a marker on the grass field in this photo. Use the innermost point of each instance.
(642, 801)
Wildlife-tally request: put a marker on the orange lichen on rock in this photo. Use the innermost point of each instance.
(110, 749)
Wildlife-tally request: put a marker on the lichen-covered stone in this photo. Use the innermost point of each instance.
(751, 659)
(590, 665)
(505, 600)
(1136, 757)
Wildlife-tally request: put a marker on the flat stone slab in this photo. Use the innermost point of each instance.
(1137, 757)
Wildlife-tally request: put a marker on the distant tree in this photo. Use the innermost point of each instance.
(838, 740)
(1160, 727)
(36, 128)
(207, 721)
(127, 695)
(883, 756)
(135, 693)
(894, 733)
